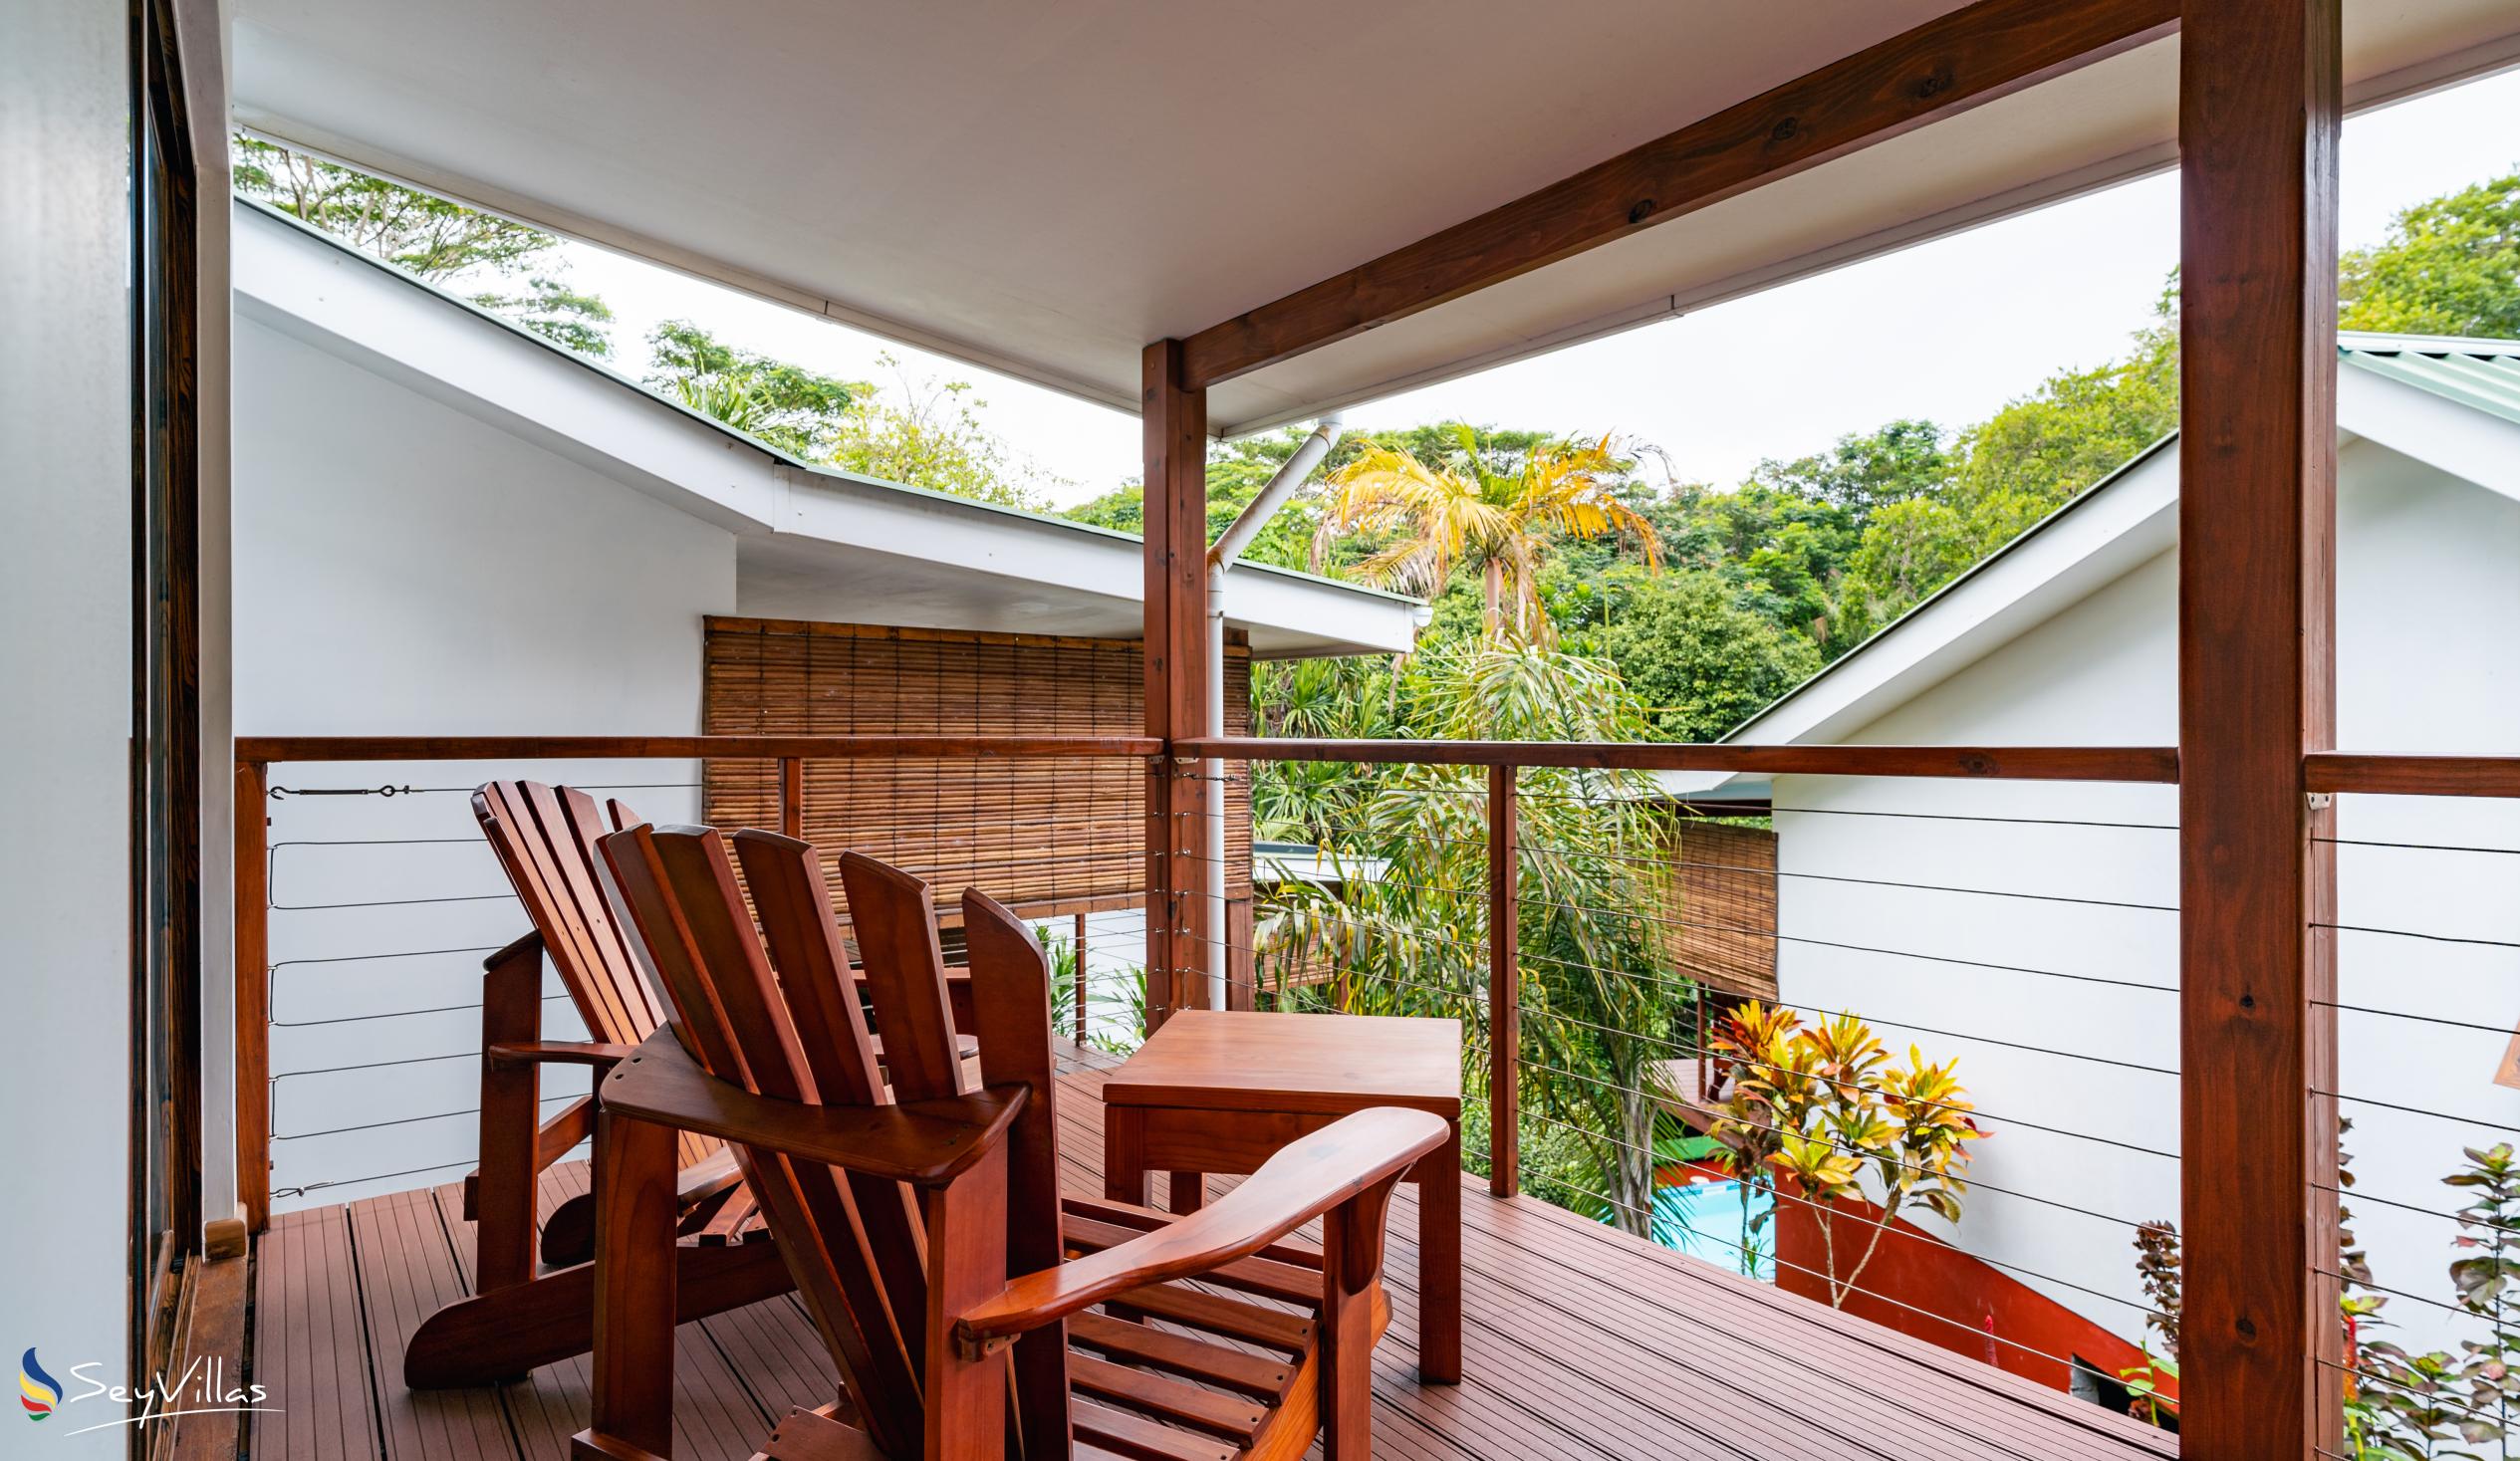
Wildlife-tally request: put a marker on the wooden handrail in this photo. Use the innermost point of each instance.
(630, 748)
(2157, 764)
(2412, 776)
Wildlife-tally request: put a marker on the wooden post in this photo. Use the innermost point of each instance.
(1504, 985)
(253, 997)
(1083, 985)
(1176, 680)
(2260, 96)
(792, 796)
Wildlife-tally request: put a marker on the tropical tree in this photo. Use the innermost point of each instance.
(429, 237)
(1469, 508)
(1896, 462)
(928, 433)
(796, 410)
(933, 438)
(1699, 660)
(1400, 925)
(1236, 471)
(2450, 266)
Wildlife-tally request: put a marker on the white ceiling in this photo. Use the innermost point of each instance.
(1042, 187)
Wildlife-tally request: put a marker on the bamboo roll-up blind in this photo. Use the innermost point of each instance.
(1720, 907)
(1043, 836)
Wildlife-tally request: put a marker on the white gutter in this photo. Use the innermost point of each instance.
(1229, 545)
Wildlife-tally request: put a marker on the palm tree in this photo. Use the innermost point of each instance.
(1470, 509)
(1400, 924)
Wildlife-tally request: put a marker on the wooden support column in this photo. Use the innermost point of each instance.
(1176, 681)
(253, 996)
(2260, 97)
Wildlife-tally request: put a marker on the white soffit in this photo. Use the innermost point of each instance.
(1041, 189)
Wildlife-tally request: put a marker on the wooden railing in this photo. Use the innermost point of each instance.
(2324, 774)
(2127, 764)
(256, 755)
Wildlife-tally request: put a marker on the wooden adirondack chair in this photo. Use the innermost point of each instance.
(520, 1317)
(970, 1318)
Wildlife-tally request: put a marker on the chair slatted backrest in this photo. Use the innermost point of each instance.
(679, 888)
(545, 837)
(800, 1034)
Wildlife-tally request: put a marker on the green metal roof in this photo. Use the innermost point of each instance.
(2481, 374)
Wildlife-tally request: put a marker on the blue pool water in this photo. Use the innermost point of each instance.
(1703, 1220)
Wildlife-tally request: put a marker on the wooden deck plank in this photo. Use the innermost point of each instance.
(1580, 1343)
(773, 1349)
(310, 1350)
(716, 1417)
(408, 1272)
(1963, 1391)
(1495, 1411)
(1707, 1336)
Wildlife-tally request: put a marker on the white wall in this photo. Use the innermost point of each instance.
(404, 567)
(65, 596)
(2426, 594)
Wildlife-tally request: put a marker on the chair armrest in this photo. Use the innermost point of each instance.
(924, 1144)
(558, 1053)
(1307, 1178)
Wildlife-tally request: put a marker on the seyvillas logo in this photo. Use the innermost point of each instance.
(39, 1392)
(203, 1388)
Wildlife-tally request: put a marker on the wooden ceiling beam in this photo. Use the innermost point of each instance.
(1971, 56)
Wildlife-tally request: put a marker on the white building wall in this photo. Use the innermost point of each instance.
(405, 569)
(2425, 589)
(65, 596)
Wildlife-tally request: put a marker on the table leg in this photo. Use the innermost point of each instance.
(1188, 1192)
(1124, 1155)
(1439, 1178)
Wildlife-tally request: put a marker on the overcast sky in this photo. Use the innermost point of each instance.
(1948, 331)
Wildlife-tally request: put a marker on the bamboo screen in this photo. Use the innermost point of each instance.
(1719, 910)
(1043, 836)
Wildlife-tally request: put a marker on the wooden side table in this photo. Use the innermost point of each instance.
(1218, 1091)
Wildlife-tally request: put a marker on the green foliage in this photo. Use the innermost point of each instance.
(2418, 1406)
(1700, 660)
(1866, 472)
(1472, 506)
(2078, 426)
(426, 236)
(1404, 929)
(567, 318)
(2007, 473)
(2450, 266)
(786, 406)
(1236, 471)
(1819, 1114)
(933, 438)
(1782, 551)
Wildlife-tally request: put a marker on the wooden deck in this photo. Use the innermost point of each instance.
(1580, 1342)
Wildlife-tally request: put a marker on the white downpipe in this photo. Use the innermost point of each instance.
(1229, 545)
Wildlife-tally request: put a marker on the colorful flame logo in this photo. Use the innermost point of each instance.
(36, 1391)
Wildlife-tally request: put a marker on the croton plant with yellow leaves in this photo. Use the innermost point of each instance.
(1814, 1110)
